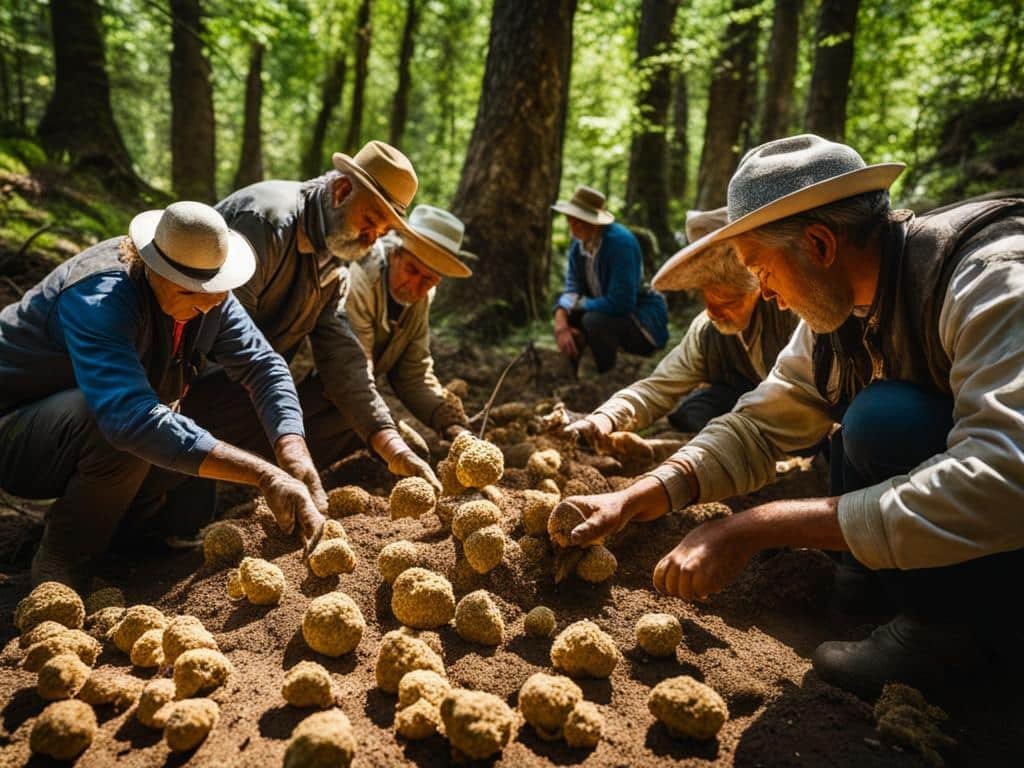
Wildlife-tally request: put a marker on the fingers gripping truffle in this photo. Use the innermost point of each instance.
(189, 722)
(411, 497)
(584, 650)
(322, 740)
(422, 599)
(308, 684)
(399, 654)
(478, 620)
(262, 582)
(50, 601)
(477, 724)
(689, 709)
(333, 624)
(64, 730)
(563, 519)
(546, 701)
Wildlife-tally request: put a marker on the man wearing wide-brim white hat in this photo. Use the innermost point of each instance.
(388, 306)
(95, 366)
(911, 341)
(305, 234)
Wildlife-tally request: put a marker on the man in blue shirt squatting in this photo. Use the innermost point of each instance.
(604, 305)
(95, 366)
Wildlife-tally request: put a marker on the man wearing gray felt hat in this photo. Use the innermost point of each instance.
(909, 341)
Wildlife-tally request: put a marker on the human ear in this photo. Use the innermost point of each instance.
(341, 189)
(822, 243)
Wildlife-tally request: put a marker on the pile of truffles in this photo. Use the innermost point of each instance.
(554, 706)
(471, 463)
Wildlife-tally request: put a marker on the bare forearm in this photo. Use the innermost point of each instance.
(810, 523)
(226, 462)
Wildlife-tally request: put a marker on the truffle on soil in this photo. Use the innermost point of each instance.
(598, 564)
(105, 687)
(537, 507)
(419, 720)
(262, 581)
(411, 497)
(399, 654)
(44, 630)
(107, 597)
(477, 724)
(450, 485)
(223, 545)
(308, 684)
(348, 500)
(148, 650)
(484, 548)
(153, 700)
(51, 601)
(199, 671)
(584, 725)
(478, 620)
(422, 599)
(482, 463)
(331, 557)
(322, 740)
(135, 621)
(546, 701)
(584, 650)
(73, 641)
(396, 557)
(472, 516)
(64, 730)
(422, 684)
(688, 708)
(461, 442)
(61, 677)
(659, 634)
(234, 585)
(544, 463)
(333, 624)
(539, 622)
(183, 634)
(189, 722)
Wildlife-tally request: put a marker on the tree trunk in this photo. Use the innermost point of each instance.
(679, 143)
(728, 99)
(79, 120)
(330, 97)
(778, 90)
(250, 166)
(647, 185)
(400, 103)
(193, 162)
(833, 64)
(513, 165)
(352, 138)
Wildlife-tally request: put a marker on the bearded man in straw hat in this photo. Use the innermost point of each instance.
(95, 363)
(388, 307)
(304, 235)
(604, 304)
(910, 340)
(728, 349)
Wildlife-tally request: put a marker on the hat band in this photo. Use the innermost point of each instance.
(196, 273)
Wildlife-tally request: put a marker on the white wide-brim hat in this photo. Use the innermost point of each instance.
(190, 244)
(434, 236)
(780, 179)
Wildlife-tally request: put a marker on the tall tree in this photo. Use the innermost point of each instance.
(250, 166)
(513, 166)
(78, 119)
(400, 103)
(647, 183)
(352, 138)
(833, 65)
(330, 97)
(679, 143)
(777, 109)
(728, 99)
(193, 159)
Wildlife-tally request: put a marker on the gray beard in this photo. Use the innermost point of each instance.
(345, 247)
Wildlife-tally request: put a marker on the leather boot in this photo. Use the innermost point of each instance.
(905, 650)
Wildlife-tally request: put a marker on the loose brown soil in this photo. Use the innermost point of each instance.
(752, 643)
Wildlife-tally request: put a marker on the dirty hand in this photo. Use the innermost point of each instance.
(293, 457)
(609, 513)
(566, 342)
(707, 560)
(593, 428)
(290, 501)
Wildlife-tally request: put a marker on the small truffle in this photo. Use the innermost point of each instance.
(107, 597)
(419, 720)
(73, 641)
(422, 684)
(262, 582)
(223, 545)
(472, 516)
(152, 710)
(50, 601)
(564, 518)
(450, 485)
(544, 463)
(61, 677)
(540, 622)
(135, 621)
(183, 634)
(546, 700)
(308, 684)
(333, 624)
(484, 548)
(584, 725)
(411, 497)
(322, 740)
(597, 564)
(422, 599)
(234, 585)
(189, 722)
(103, 621)
(689, 709)
(348, 500)
(659, 634)
(44, 630)
(200, 670)
(148, 651)
(331, 557)
(396, 557)
(584, 650)
(105, 687)
(537, 507)
(400, 654)
(548, 485)
(478, 620)
(480, 464)
(64, 730)
(477, 724)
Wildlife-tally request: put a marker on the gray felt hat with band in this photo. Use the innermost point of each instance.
(780, 179)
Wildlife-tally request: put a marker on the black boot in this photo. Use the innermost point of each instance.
(906, 650)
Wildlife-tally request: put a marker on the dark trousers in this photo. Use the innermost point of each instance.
(701, 406)
(606, 334)
(890, 428)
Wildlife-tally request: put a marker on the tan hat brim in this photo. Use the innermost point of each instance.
(346, 164)
(236, 270)
(592, 217)
(433, 255)
(869, 179)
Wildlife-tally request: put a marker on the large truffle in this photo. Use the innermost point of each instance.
(73, 641)
(153, 710)
(106, 597)
(688, 709)
(322, 740)
(105, 687)
(331, 557)
(262, 582)
(308, 684)
(419, 720)
(189, 722)
(422, 684)
(183, 634)
(135, 621)
(546, 700)
(584, 725)
(564, 518)
(481, 464)
(333, 624)
(44, 630)
(148, 651)
(396, 557)
(64, 730)
(398, 655)
(478, 620)
(61, 677)
(597, 564)
(50, 601)
(200, 670)
(540, 622)
(584, 650)
(484, 548)
(477, 724)
(659, 634)
(472, 516)
(544, 463)
(348, 500)
(411, 497)
(422, 599)
(223, 545)
(537, 507)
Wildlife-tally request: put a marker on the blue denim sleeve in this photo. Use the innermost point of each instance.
(99, 319)
(573, 282)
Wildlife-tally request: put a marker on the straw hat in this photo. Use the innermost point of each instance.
(586, 204)
(190, 244)
(780, 179)
(434, 237)
(386, 172)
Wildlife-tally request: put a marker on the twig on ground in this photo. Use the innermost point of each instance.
(501, 379)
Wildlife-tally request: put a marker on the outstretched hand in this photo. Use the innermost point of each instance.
(290, 501)
(706, 561)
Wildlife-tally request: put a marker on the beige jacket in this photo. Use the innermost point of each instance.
(961, 504)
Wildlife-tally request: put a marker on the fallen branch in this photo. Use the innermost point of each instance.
(527, 350)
